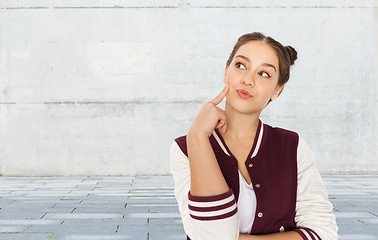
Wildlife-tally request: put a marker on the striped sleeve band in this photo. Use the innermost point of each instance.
(212, 207)
(307, 234)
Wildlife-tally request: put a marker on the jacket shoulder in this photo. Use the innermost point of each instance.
(281, 132)
(181, 142)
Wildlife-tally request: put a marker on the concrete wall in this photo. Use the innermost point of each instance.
(376, 77)
(103, 87)
(376, 72)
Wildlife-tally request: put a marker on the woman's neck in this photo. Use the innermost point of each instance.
(240, 125)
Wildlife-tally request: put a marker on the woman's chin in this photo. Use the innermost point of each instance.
(244, 108)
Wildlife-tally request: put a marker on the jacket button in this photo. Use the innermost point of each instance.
(260, 214)
(257, 185)
(250, 165)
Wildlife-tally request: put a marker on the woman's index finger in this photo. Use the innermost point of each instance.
(220, 96)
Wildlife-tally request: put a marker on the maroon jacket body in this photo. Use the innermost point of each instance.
(273, 172)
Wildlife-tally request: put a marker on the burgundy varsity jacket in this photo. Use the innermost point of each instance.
(273, 169)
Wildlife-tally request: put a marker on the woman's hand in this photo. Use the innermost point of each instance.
(210, 117)
(290, 235)
(245, 237)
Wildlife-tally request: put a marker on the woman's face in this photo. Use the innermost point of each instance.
(252, 76)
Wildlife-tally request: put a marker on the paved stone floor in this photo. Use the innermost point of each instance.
(144, 207)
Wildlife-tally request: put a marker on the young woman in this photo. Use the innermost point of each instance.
(239, 178)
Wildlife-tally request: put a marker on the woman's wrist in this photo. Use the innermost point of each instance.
(197, 135)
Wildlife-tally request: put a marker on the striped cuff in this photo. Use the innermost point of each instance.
(307, 233)
(213, 207)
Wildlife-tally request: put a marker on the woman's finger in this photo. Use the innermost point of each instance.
(221, 95)
(222, 125)
(222, 122)
(224, 128)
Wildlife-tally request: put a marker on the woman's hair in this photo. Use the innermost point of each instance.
(286, 55)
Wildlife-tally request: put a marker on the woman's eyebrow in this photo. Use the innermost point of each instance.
(264, 64)
(244, 57)
(269, 65)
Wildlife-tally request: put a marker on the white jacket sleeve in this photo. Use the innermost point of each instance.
(314, 217)
(204, 218)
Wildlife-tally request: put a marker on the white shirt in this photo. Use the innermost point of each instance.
(246, 205)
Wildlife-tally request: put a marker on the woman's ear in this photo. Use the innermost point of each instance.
(276, 92)
(225, 74)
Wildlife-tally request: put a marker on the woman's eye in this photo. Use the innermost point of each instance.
(264, 74)
(238, 65)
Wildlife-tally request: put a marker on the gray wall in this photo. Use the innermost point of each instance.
(103, 87)
(376, 77)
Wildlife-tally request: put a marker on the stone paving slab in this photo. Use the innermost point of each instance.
(25, 236)
(144, 207)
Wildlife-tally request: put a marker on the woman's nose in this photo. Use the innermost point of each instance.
(248, 79)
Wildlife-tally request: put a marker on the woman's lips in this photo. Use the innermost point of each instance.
(243, 93)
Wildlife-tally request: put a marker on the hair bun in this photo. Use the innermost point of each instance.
(292, 54)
